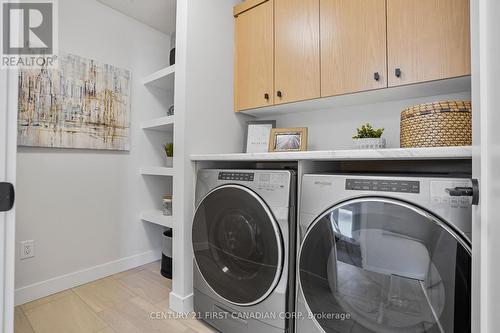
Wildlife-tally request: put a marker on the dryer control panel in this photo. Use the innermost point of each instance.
(442, 193)
(383, 185)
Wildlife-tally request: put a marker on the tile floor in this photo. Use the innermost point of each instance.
(122, 303)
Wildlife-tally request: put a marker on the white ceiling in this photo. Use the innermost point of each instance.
(159, 14)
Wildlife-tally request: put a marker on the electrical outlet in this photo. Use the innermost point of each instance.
(27, 249)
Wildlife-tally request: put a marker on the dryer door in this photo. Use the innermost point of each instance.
(381, 265)
(237, 245)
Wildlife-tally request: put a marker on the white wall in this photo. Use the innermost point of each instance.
(477, 291)
(81, 207)
(8, 138)
(204, 109)
(486, 228)
(334, 129)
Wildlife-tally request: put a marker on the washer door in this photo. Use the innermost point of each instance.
(237, 245)
(380, 265)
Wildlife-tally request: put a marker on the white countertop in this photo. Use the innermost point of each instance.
(347, 155)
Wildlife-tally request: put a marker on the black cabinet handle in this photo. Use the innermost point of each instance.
(6, 197)
(460, 192)
(266, 96)
(280, 94)
(376, 76)
(397, 72)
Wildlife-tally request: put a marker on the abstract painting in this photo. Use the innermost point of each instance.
(80, 104)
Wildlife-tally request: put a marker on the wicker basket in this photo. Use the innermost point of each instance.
(440, 124)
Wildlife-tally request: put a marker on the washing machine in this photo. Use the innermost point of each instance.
(243, 241)
(384, 254)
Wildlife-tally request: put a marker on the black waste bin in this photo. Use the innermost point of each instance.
(166, 258)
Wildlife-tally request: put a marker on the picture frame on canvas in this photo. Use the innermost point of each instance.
(257, 136)
(288, 139)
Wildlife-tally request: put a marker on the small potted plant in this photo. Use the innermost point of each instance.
(369, 138)
(169, 151)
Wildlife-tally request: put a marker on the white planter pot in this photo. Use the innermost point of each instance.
(370, 143)
(170, 162)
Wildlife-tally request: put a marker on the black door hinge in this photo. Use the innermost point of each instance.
(7, 197)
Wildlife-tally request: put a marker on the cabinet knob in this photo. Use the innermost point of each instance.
(280, 94)
(266, 96)
(376, 76)
(397, 72)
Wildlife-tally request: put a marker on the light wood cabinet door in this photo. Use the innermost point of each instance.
(254, 57)
(353, 46)
(297, 50)
(427, 40)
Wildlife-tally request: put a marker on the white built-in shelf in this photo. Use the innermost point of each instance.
(437, 153)
(163, 79)
(426, 89)
(157, 171)
(164, 124)
(157, 217)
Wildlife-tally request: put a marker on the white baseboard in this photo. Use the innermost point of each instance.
(45, 288)
(181, 304)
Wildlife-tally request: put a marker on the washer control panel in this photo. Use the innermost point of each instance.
(239, 176)
(266, 181)
(271, 181)
(383, 185)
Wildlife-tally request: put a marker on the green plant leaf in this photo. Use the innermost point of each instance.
(366, 131)
(169, 149)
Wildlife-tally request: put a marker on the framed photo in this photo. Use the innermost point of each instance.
(288, 139)
(258, 134)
